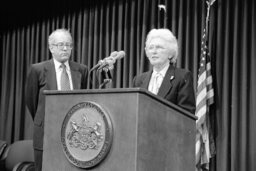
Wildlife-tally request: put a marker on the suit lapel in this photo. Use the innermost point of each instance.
(146, 80)
(51, 75)
(167, 82)
(76, 76)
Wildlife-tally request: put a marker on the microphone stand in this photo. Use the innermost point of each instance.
(107, 78)
(105, 75)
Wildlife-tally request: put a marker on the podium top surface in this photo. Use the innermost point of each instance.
(122, 91)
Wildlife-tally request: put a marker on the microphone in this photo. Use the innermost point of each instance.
(109, 61)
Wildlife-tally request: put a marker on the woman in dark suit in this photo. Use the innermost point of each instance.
(166, 80)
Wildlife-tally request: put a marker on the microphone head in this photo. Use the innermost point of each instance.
(120, 55)
(113, 54)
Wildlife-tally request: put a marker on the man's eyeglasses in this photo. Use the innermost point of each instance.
(61, 46)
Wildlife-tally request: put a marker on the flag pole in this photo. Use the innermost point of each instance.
(209, 4)
(163, 7)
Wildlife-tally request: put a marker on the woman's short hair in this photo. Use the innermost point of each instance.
(62, 30)
(168, 36)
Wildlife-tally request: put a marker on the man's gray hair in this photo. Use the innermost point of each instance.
(62, 30)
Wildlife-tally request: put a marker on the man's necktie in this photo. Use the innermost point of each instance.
(64, 79)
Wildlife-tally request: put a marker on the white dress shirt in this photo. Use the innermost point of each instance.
(157, 79)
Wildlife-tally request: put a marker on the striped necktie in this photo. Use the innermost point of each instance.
(64, 79)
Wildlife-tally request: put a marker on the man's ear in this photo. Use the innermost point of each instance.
(51, 48)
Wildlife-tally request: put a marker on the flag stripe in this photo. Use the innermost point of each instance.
(209, 80)
(201, 78)
(201, 96)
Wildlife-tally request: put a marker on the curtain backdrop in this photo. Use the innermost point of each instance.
(100, 27)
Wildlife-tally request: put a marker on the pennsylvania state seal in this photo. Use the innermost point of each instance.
(86, 134)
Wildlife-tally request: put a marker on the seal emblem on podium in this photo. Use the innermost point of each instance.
(86, 134)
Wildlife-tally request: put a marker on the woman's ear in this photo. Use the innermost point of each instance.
(146, 52)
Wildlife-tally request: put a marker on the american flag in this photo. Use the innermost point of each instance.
(204, 98)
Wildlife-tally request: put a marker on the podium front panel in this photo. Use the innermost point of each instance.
(147, 134)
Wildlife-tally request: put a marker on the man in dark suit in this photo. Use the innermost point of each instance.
(56, 74)
(172, 83)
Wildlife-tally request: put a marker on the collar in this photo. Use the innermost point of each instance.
(57, 65)
(162, 72)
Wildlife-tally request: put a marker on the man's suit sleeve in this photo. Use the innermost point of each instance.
(31, 96)
(85, 81)
(186, 94)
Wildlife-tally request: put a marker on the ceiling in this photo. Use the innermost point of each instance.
(14, 13)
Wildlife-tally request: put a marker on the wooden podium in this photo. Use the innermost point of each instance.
(149, 133)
